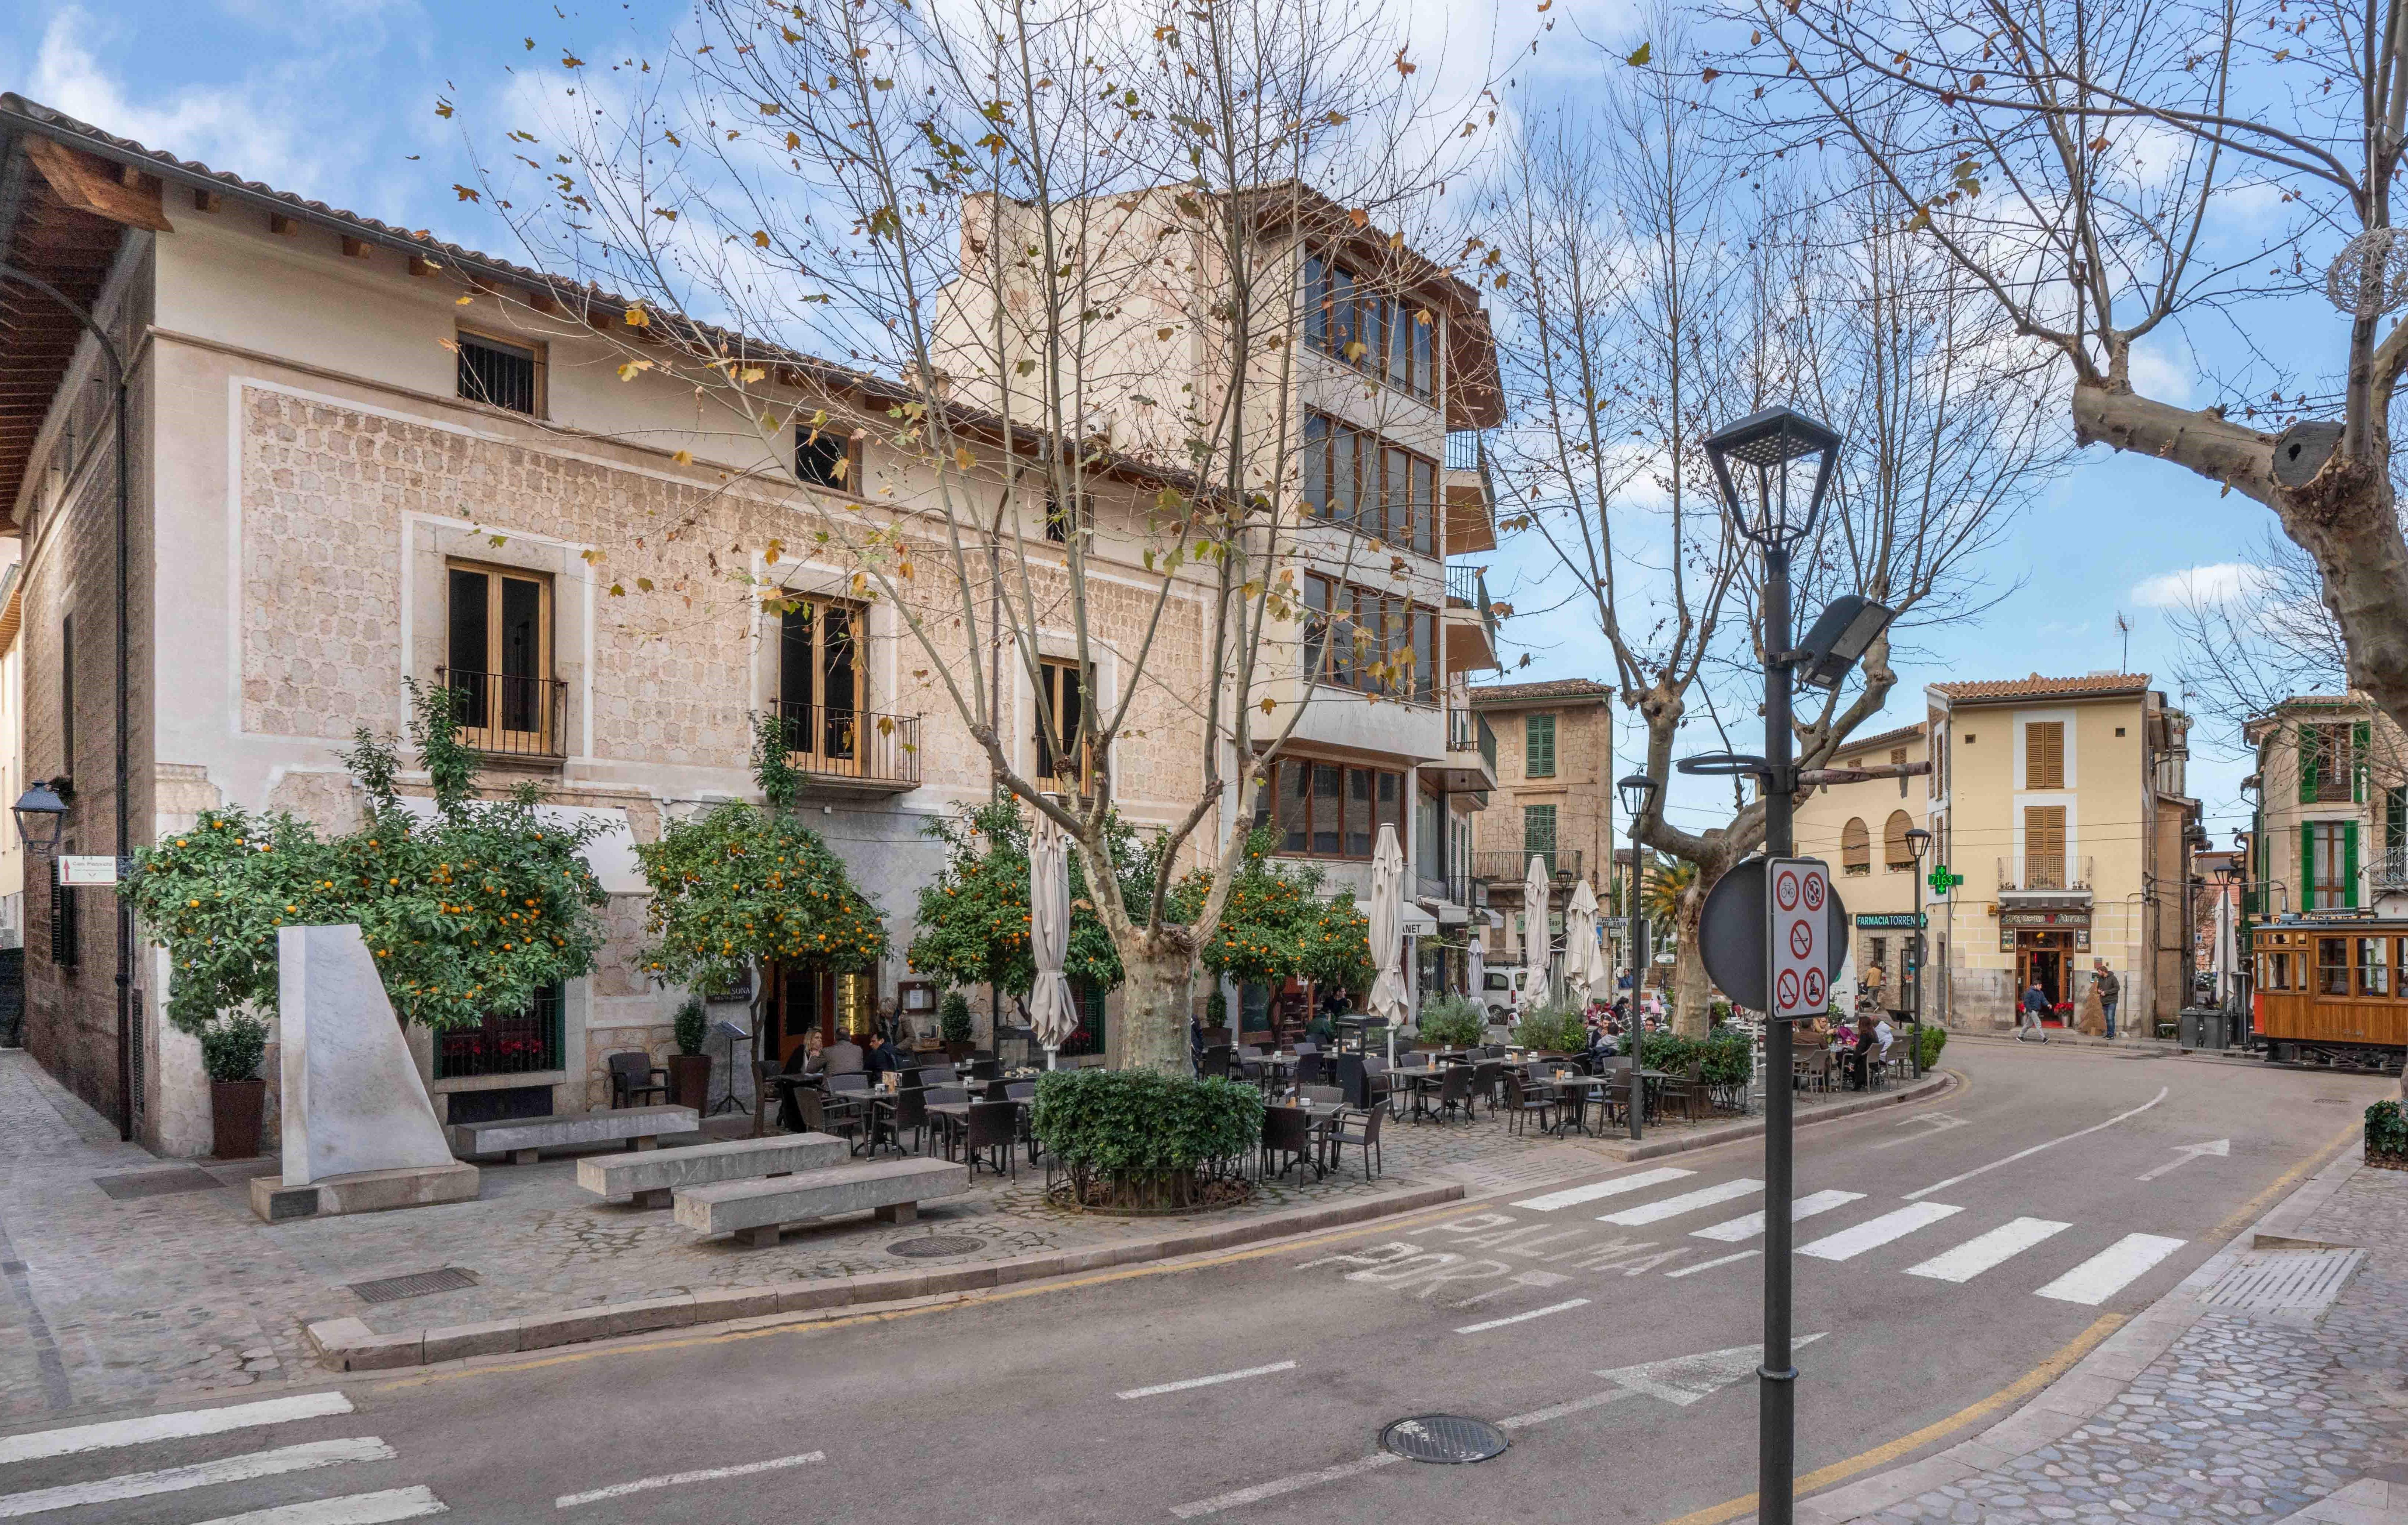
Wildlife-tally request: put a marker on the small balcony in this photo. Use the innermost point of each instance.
(1504, 869)
(2052, 875)
(2388, 874)
(509, 714)
(1470, 503)
(1470, 766)
(1471, 621)
(845, 751)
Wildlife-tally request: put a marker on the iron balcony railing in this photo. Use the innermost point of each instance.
(1465, 450)
(1503, 869)
(2044, 871)
(527, 1043)
(2391, 870)
(1467, 728)
(1455, 886)
(838, 741)
(508, 714)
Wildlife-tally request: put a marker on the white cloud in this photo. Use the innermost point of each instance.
(2217, 582)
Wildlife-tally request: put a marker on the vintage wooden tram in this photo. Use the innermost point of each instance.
(2330, 990)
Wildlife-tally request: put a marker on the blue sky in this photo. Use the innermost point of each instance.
(332, 98)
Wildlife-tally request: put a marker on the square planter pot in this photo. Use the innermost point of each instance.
(235, 1110)
(690, 1081)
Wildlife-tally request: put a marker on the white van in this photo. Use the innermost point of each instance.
(1501, 991)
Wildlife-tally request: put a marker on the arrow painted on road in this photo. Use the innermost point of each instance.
(1931, 1122)
(1685, 1379)
(2185, 1153)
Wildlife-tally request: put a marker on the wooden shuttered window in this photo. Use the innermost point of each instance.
(2045, 754)
(1856, 847)
(2045, 847)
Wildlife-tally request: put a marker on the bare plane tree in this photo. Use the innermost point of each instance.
(2111, 173)
(1049, 256)
(1652, 300)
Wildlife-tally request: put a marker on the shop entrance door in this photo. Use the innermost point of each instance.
(800, 1003)
(2041, 959)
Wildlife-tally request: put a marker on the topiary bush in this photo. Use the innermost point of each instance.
(2387, 1134)
(693, 1027)
(1934, 1039)
(1140, 1140)
(1452, 1022)
(233, 1045)
(954, 1018)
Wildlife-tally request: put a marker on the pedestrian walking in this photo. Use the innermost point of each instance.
(2104, 981)
(1874, 978)
(2035, 1006)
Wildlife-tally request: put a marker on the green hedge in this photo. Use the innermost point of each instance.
(1452, 1022)
(1728, 1057)
(2387, 1129)
(1125, 1124)
(1558, 1032)
(1935, 1038)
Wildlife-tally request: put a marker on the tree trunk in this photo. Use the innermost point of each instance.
(1693, 1013)
(1154, 1013)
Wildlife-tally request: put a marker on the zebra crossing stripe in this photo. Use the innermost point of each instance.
(1874, 1232)
(180, 1426)
(2107, 1272)
(232, 1468)
(378, 1508)
(1741, 1230)
(1574, 1196)
(1672, 1207)
(1984, 1251)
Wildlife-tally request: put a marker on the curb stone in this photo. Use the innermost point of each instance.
(2092, 1383)
(1938, 1083)
(348, 1344)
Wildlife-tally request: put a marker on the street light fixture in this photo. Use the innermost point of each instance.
(1839, 639)
(1918, 844)
(41, 814)
(1637, 792)
(1772, 447)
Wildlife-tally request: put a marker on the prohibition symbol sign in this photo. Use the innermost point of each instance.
(1801, 938)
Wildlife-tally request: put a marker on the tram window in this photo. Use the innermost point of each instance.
(2332, 965)
(2374, 966)
(2278, 975)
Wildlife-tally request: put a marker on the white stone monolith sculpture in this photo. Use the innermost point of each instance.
(359, 1134)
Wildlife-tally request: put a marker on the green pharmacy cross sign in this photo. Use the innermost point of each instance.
(1942, 881)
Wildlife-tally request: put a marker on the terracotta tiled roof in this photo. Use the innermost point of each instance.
(1854, 744)
(1493, 695)
(2036, 687)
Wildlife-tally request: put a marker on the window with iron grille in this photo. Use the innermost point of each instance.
(66, 944)
(494, 371)
(1538, 832)
(519, 1042)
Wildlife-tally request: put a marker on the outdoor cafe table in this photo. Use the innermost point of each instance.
(1320, 1116)
(1590, 1084)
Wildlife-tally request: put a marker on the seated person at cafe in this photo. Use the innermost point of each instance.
(1860, 1046)
(1321, 1029)
(882, 1057)
(841, 1058)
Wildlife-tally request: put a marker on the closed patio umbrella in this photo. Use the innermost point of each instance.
(1051, 1011)
(1535, 940)
(1584, 969)
(1388, 916)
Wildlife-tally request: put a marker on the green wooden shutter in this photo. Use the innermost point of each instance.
(2307, 766)
(2306, 898)
(2361, 738)
(2349, 863)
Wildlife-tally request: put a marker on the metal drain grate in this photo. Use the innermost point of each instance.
(2332, 1100)
(139, 1184)
(933, 1246)
(1443, 1437)
(416, 1283)
(2285, 1281)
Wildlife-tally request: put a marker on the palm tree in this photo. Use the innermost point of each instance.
(1666, 882)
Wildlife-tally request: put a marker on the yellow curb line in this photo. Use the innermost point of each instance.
(2039, 1377)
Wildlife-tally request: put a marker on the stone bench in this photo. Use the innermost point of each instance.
(756, 1211)
(651, 1176)
(640, 1128)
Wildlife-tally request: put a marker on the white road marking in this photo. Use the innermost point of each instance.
(1709, 1265)
(677, 1479)
(1930, 1123)
(1739, 1230)
(1517, 1318)
(2163, 1091)
(1278, 1485)
(1574, 1196)
(1672, 1207)
(1566, 1410)
(352, 1509)
(232, 1468)
(1207, 1381)
(2185, 1153)
(1874, 1232)
(2105, 1273)
(1984, 1251)
(155, 1427)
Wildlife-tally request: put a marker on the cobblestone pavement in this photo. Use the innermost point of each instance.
(163, 1298)
(2247, 1415)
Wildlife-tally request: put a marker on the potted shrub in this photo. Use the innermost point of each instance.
(1552, 1032)
(1217, 1016)
(953, 1025)
(231, 1049)
(2386, 1136)
(1451, 1022)
(690, 1067)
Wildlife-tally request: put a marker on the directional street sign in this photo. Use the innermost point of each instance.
(1800, 936)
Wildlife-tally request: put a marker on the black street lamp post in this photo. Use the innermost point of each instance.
(1637, 792)
(1918, 844)
(1769, 445)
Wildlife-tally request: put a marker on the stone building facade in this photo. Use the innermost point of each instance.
(1555, 797)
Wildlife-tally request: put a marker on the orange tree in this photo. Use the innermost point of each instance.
(743, 884)
(973, 923)
(1276, 924)
(470, 907)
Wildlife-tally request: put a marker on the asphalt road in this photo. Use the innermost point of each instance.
(1958, 1246)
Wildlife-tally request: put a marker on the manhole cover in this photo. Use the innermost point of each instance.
(1443, 1437)
(138, 1184)
(416, 1283)
(931, 1246)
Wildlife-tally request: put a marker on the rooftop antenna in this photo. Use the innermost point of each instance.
(2124, 629)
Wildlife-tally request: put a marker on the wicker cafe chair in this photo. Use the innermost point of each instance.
(1484, 1076)
(911, 1112)
(994, 1128)
(1453, 1096)
(631, 1078)
(1287, 1138)
(837, 1116)
(1353, 1129)
(1217, 1057)
(1521, 1106)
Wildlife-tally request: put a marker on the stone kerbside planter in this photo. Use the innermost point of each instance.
(236, 1107)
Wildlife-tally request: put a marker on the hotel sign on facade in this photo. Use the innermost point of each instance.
(2076, 922)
